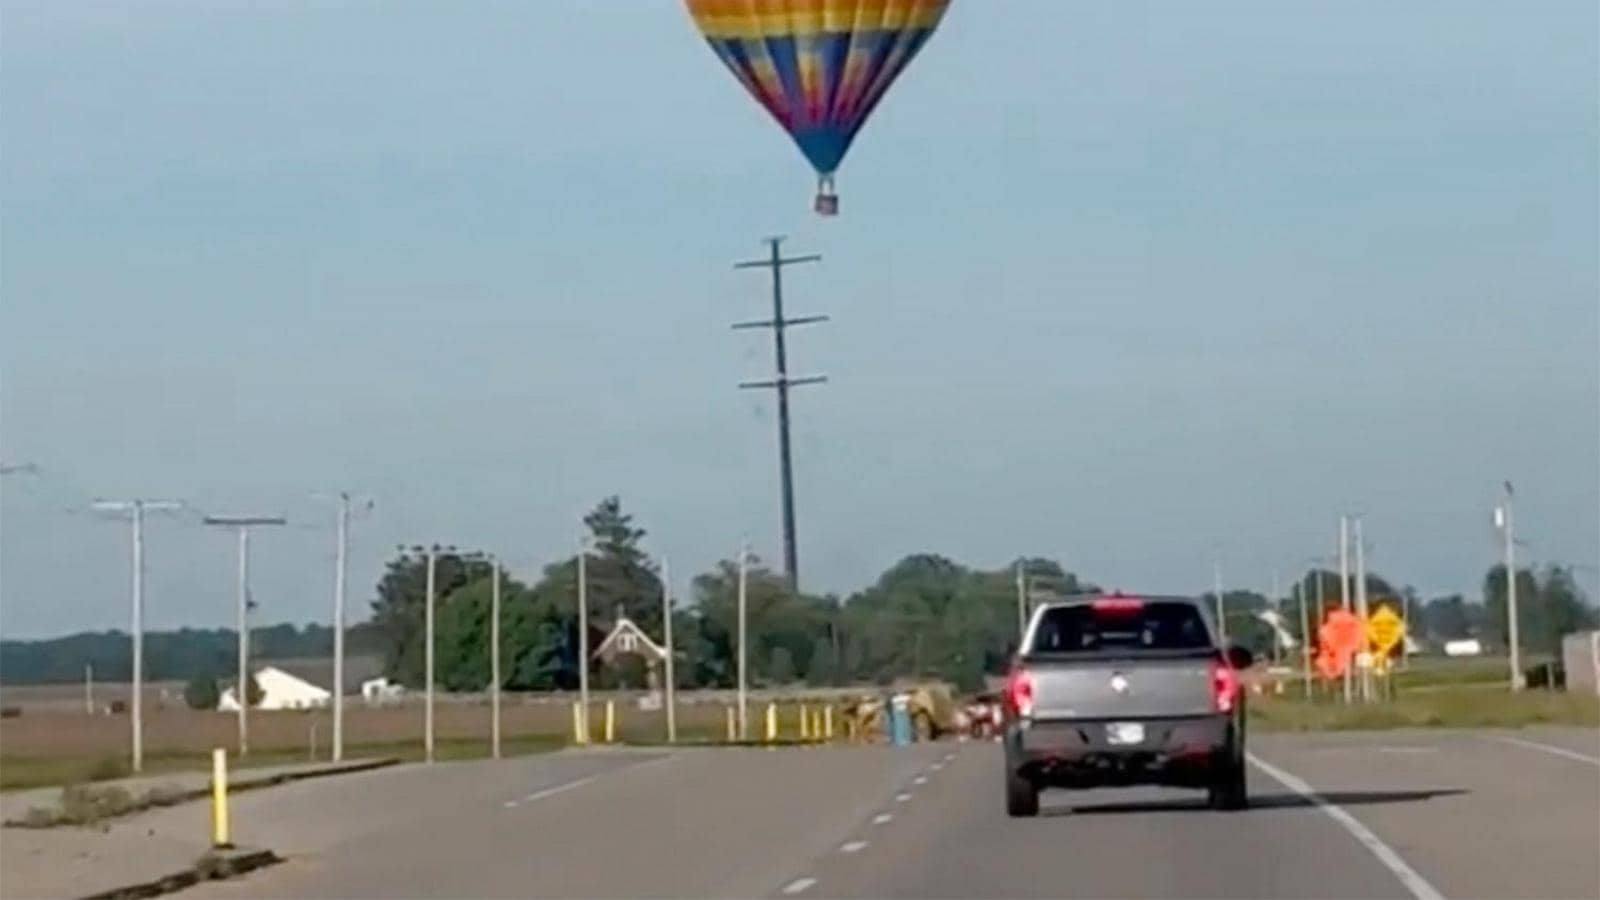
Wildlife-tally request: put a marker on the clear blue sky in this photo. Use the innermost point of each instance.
(1132, 285)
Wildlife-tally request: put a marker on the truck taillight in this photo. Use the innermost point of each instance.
(1019, 692)
(1224, 686)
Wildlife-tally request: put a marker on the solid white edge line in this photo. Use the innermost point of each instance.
(1413, 881)
(798, 886)
(853, 847)
(1547, 748)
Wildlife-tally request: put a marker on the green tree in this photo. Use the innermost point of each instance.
(820, 667)
(201, 693)
(398, 612)
(780, 666)
(1549, 604)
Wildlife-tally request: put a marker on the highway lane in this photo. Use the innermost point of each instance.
(1440, 814)
(699, 822)
(1453, 814)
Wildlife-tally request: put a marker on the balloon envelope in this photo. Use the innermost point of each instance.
(818, 66)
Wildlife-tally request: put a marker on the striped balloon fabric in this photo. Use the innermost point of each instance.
(818, 66)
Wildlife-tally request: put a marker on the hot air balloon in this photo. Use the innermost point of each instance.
(818, 66)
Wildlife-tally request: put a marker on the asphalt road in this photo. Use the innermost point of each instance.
(1396, 814)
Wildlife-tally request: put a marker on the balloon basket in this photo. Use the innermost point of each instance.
(826, 204)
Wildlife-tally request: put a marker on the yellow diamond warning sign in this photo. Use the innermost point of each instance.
(1385, 630)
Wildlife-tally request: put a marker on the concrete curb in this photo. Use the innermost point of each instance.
(215, 865)
(235, 787)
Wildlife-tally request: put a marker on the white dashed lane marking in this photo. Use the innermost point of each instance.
(853, 847)
(920, 779)
(798, 886)
(882, 818)
(901, 798)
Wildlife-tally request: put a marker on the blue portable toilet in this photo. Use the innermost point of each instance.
(900, 720)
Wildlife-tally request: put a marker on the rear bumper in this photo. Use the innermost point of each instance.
(1178, 751)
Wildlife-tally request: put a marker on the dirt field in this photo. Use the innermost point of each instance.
(54, 743)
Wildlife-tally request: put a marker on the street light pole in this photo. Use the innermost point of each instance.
(243, 524)
(136, 510)
(666, 618)
(340, 577)
(1362, 611)
(583, 637)
(427, 706)
(494, 659)
(744, 584)
(1305, 633)
(1222, 613)
(1344, 594)
(1022, 600)
(1503, 514)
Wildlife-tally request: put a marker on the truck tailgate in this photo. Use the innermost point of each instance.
(1132, 687)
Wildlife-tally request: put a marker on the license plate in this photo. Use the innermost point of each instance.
(1125, 733)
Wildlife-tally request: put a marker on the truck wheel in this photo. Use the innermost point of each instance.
(1228, 791)
(1022, 796)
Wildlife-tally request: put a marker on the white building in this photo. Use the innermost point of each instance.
(279, 690)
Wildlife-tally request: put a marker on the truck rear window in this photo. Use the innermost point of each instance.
(1154, 625)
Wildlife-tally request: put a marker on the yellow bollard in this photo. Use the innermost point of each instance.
(805, 722)
(772, 722)
(827, 723)
(578, 733)
(733, 729)
(611, 721)
(219, 799)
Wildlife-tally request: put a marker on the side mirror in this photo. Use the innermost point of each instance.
(1239, 657)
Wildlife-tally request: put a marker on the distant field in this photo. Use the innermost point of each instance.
(56, 746)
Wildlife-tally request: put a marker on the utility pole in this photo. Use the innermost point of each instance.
(1222, 613)
(776, 261)
(1362, 611)
(242, 525)
(136, 510)
(1503, 519)
(670, 694)
(1344, 595)
(744, 589)
(494, 659)
(583, 636)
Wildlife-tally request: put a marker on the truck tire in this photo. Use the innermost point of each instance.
(1022, 795)
(1228, 790)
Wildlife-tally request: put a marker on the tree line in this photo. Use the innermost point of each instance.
(926, 616)
(180, 655)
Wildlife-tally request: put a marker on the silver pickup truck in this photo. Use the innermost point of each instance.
(1111, 690)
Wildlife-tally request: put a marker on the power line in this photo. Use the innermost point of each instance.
(776, 261)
